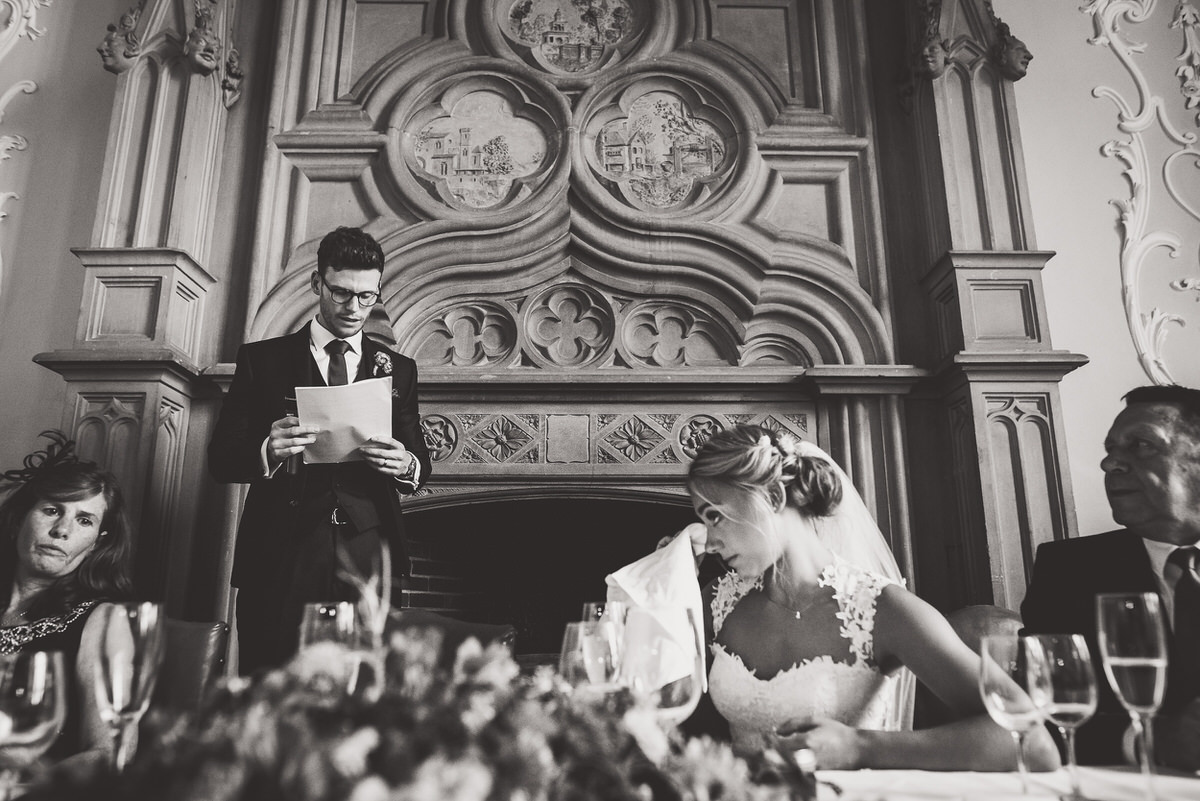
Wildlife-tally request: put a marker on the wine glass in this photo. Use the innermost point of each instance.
(336, 621)
(1133, 646)
(33, 704)
(571, 663)
(133, 639)
(1062, 684)
(1003, 683)
(616, 611)
(664, 660)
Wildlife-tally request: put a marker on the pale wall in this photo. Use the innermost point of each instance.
(57, 178)
(1062, 129)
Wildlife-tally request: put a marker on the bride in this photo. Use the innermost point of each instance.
(814, 634)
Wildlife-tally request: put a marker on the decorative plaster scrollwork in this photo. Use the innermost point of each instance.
(1187, 18)
(21, 21)
(231, 84)
(1149, 329)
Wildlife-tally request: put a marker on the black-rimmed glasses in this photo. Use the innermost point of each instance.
(342, 296)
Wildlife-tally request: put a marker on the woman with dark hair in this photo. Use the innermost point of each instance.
(65, 549)
(815, 640)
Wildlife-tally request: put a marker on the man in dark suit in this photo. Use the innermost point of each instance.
(1152, 479)
(303, 524)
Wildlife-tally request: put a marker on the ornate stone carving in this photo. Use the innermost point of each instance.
(202, 49)
(231, 84)
(1146, 123)
(695, 432)
(480, 144)
(1009, 53)
(441, 436)
(122, 45)
(634, 438)
(665, 334)
(569, 326)
(474, 334)
(932, 51)
(502, 439)
(563, 37)
(660, 146)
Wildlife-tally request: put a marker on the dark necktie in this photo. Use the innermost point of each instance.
(1186, 632)
(337, 362)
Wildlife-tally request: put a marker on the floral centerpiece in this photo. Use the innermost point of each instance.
(476, 731)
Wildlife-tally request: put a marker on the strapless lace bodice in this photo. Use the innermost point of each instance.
(853, 692)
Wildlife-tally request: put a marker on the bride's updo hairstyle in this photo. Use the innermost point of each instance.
(766, 462)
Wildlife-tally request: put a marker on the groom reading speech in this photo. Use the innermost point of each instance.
(301, 519)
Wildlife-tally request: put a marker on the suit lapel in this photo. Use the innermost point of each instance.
(303, 367)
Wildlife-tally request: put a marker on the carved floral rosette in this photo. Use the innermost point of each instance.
(661, 144)
(568, 326)
(477, 143)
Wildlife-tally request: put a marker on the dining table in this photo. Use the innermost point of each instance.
(1097, 783)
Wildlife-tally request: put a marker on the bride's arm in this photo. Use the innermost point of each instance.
(910, 631)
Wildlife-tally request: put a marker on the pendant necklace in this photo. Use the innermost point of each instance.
(798, 614)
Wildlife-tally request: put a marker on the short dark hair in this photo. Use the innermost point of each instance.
(346, 248)
(1186, 398)
(105, 573)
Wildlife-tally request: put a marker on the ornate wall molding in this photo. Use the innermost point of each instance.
(1154, 180)
(20, 21)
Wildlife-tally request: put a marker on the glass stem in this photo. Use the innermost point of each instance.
(1144, 728)
(1068, 733)
(122, 751)
(1022, 770)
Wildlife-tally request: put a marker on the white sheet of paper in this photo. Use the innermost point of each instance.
(347, 415)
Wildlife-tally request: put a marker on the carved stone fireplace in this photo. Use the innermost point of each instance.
(606, 236)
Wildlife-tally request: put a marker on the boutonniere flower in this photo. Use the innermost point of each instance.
(383, 364)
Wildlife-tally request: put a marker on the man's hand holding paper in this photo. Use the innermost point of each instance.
(348, 417)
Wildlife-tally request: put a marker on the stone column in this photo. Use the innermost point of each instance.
(133, 371)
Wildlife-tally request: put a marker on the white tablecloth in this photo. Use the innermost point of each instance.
(1099, 784)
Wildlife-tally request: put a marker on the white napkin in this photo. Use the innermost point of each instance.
(657, 588)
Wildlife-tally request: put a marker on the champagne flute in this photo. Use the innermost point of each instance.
(1003, 685)
(33, 705)
(1133, 644)
(1062, 684)
(131, 650)
(571, 663)
(616, 611)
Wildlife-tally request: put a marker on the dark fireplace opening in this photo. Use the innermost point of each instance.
(531, 563)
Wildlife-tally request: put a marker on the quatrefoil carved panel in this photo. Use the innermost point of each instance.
(569, 325)
(570, 38)
(657, 334)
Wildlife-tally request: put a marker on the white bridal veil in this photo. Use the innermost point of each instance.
(852, 533)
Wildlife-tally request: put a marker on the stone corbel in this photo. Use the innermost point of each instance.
(231, 84)
(122, 45)
(1009, 53)
(931, 52)
(202, 48)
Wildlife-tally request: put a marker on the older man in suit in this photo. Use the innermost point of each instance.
(1152, 479)
(305, 524)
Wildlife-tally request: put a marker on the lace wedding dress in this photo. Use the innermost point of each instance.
(853, 692)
